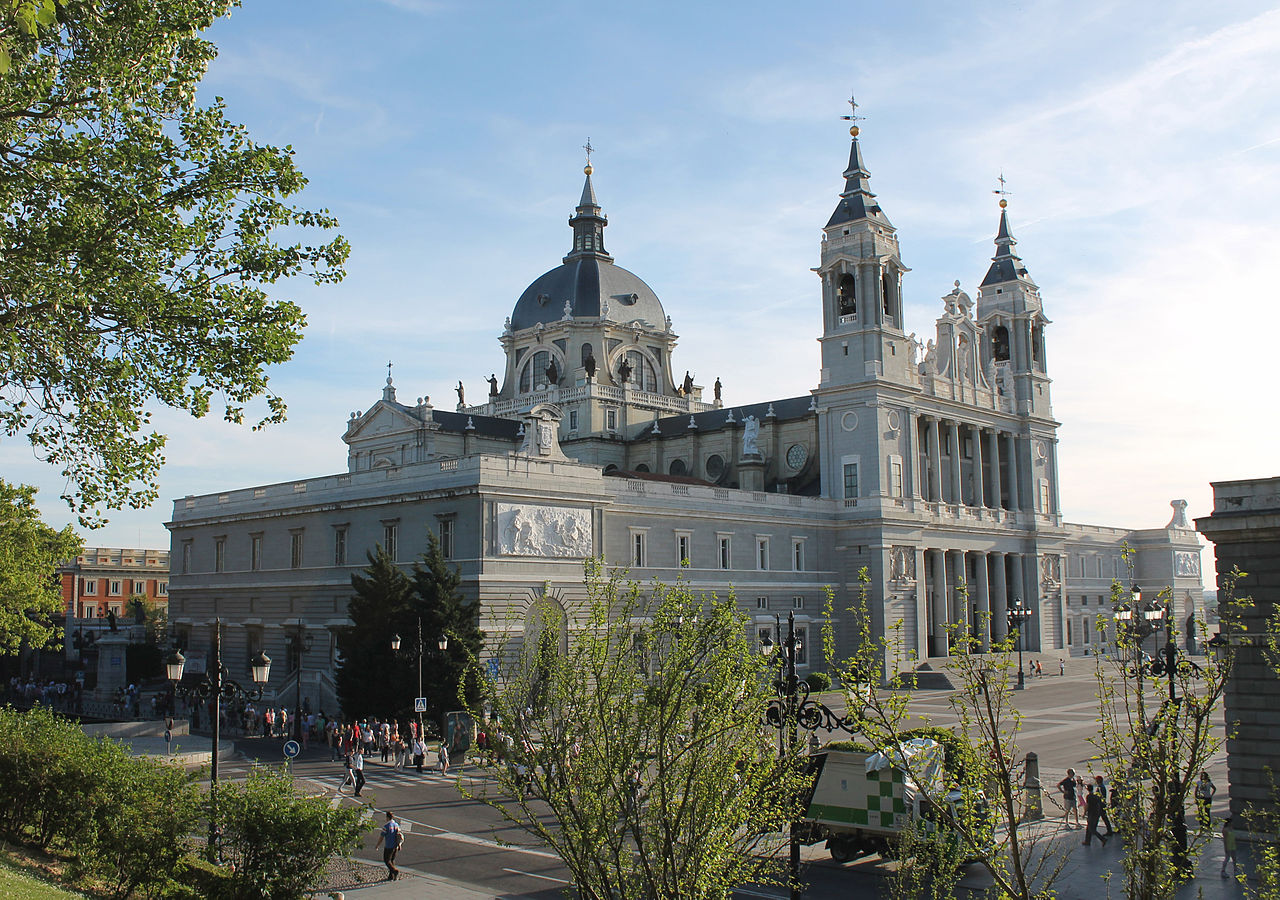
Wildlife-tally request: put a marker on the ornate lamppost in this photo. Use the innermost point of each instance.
(442, 643)
(1018, 614)
(217, 685)
(791, 710)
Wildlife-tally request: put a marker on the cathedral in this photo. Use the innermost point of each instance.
(932, 463)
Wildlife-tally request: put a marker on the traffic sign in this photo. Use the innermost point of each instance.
(291, 749)
(420, 704)
(493, 668)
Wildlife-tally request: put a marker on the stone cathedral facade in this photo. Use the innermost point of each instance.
(932, 463)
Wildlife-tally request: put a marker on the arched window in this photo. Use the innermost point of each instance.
(643, 376)
(1037, 346)
(677, 467)
(642, 468)
(534, 374)
(886, 292)
(1000, 343)
(848, 292)
(587, 353)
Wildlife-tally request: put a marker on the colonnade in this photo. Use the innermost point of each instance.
(994, 478)
(994, 581)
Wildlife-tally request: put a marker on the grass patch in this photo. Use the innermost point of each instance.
(20, 883)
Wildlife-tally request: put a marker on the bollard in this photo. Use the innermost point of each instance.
(1034, 810)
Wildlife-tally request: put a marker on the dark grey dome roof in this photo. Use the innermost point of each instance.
(584, 282)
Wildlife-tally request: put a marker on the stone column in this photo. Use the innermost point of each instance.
(913, 430)
(935, 461)
(979, 492)
(957, 483)
(983, 597)
(996, 501)
(960, 603)
(1015, 495)
(938, 609)
(999, 598)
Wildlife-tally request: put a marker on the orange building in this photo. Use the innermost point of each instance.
(106, 579)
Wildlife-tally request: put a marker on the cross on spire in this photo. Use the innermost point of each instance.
(388, 371)
(587, 147)
(853, 110)
(1001, 190)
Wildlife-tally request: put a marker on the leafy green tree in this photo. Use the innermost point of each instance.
(451, 680)
(139, 230)
(365, 680)
(23, 17)
(278, 842)
(29, 552)
(635, 717)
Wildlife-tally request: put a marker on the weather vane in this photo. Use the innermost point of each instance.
(853, 110)
(1001, 191)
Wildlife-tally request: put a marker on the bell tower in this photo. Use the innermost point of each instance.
(861, 271)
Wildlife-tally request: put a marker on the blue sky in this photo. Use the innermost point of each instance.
(1141, 143)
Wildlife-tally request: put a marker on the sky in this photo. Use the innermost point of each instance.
(1140, 142)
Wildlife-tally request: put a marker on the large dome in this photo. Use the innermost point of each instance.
(587, 282)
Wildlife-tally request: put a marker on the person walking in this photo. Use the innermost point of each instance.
(1100, 788)
(442, 758)
(1092, 812)
(1062, 667)
(390, 837)
(1205, 789)
(348, 776)
(419, 753)
(1229, 848)
(1068, 788)
(357, 767)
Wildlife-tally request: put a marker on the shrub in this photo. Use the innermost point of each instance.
(819, 681)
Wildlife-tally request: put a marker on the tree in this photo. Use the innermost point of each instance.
(374, 680)
(29, 552)
(1157, 756)
(138, 230)
(982, 755)
(368, 674)
(636, 717)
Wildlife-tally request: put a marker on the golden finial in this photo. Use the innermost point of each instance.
(853, 117)
(587, 146)
(1001, 191)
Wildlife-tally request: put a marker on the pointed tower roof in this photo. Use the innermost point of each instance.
(856, 200)
(1006, 265)
(588, 225)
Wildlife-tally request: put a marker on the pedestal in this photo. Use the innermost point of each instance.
(111, 663)
(751, 473)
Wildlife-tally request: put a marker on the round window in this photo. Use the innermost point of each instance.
(797, 455)
(715, 467)
(677, 467)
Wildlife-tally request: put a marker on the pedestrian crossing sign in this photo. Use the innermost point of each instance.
(420, 704)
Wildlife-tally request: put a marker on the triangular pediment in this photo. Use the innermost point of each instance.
(384, 417)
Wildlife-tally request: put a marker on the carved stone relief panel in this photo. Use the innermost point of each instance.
(1186, 564)
(1050, 572)
(547, 531)
(902, 562)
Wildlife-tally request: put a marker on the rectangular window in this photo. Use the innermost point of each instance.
(762, 603)
(162, 589)
(762, 554)
(573, 420)
(637, 548)
(1087, 636)
(255, 552)
(446, 538)
(850, 480)
(797, 603)
(219, 554)
(340, 546)
(895, 476)
(115, 589)
(683, 550)
(186, 557)
(726, 552)
(1070, 630)
(295, 549)
(91, 586)
(611, 419)
(389, 534)
(1044, 501)
(797, 555)
(802, 645)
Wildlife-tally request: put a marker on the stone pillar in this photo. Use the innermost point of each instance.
(996, 501)
(957, 483)
(913, 430)
(960, 603)
(938, 609)
(1015, 495)
(999, 598)
(979, 491)
(935, 461)
(982, 596)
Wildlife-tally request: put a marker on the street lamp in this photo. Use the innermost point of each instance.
(217, 685)
(300, 644)
(1019, 613)
(792, 709)
(442, 643)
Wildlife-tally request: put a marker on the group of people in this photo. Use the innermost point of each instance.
(358, 741)
(1092, 797)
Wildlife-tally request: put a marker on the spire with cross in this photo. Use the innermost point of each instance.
(1003, 194)
(587, 147)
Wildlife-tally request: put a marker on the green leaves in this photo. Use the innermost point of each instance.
(140, 234)
(29, 552)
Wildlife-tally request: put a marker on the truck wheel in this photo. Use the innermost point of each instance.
(842, 849)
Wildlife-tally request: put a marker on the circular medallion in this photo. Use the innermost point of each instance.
(1042, 450)
(894, 420)
(714, 467)
(849, 421)
(797, 455)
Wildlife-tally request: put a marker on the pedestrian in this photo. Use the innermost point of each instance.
(390, 837)
(1039, 668)
(442, 758)
(1100, 788)
(1062, 667)
(348, 776)
(1092, 812)
(1205, 789)
(357, 767)
(1068, 788)
(419, 753)
(1229, 848)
